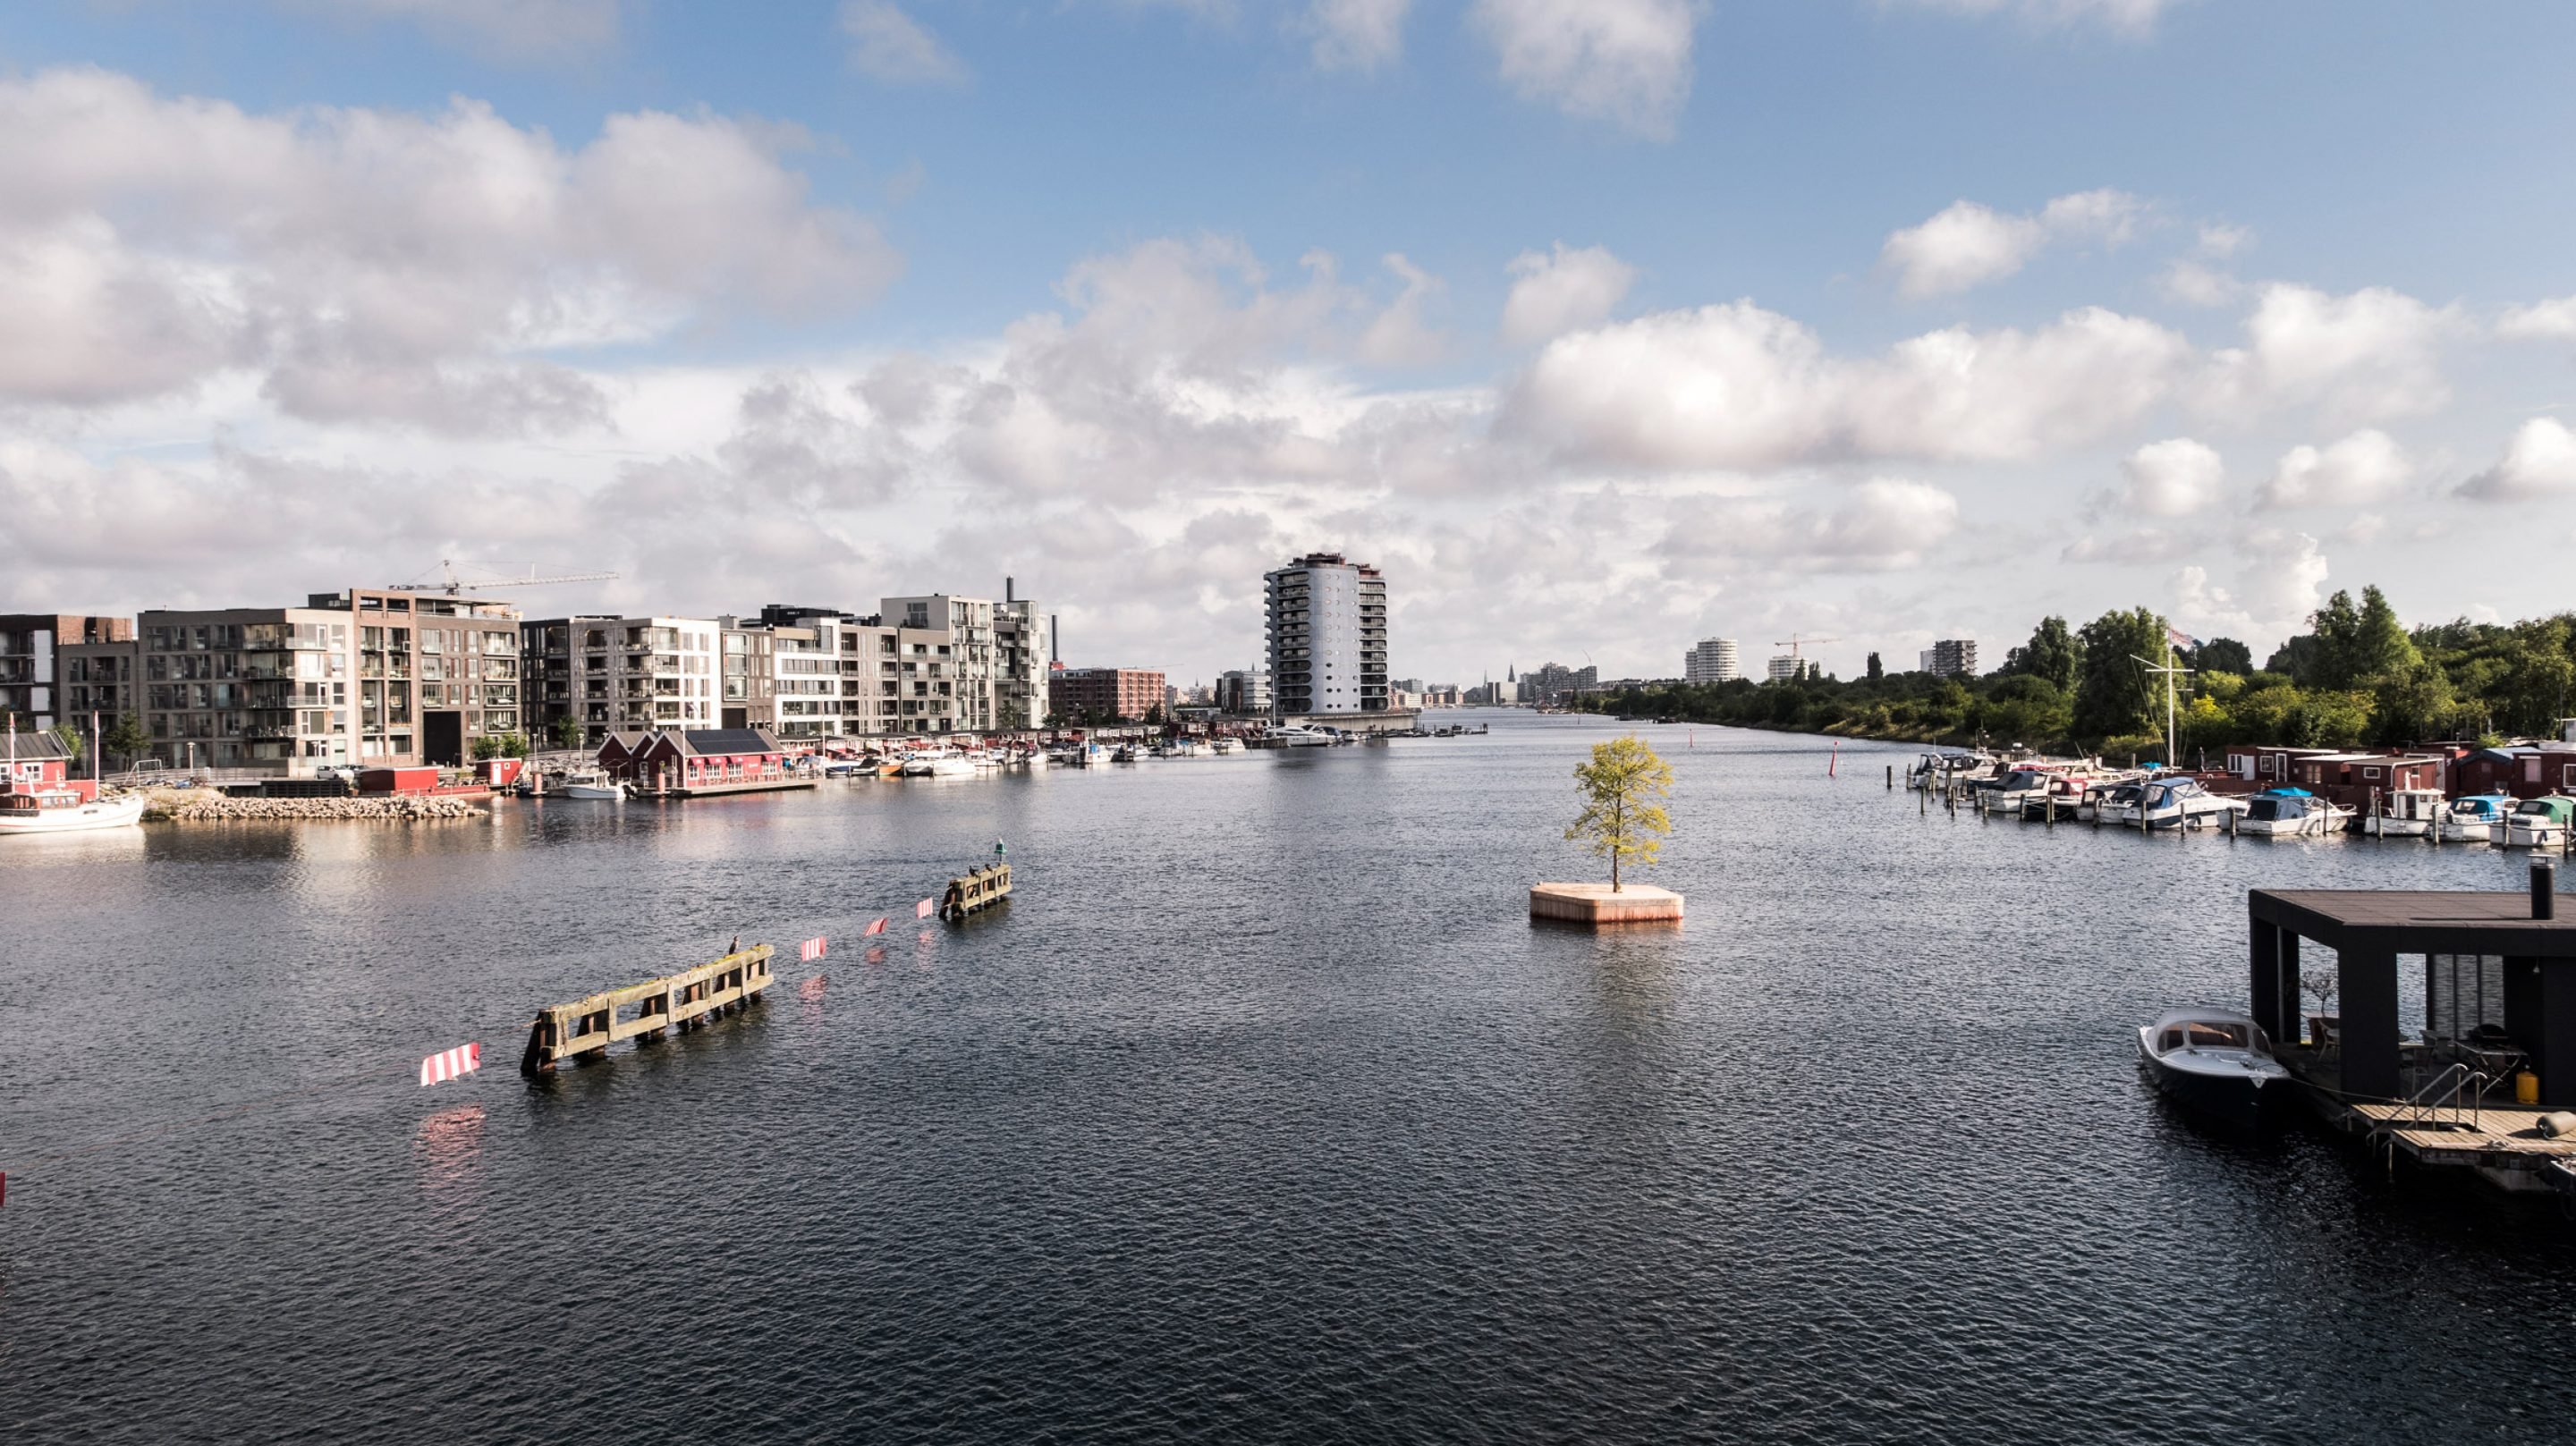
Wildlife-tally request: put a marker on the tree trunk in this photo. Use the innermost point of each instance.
(1618, 838)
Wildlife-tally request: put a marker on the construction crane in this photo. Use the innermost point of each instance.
(1798, 639)
(456, 586)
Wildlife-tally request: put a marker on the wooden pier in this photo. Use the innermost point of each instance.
(686, 999)
(974, 892)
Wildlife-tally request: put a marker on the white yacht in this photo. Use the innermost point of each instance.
(591, 783)
(1222, 745)
(63, 810)
(2291, 813)
(2214, 1060)
(2539, 823)
(1296, 735)
(2477, 818)
(2183, 803)
(2405, 813)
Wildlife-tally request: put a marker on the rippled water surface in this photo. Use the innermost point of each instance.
(1261, 1112)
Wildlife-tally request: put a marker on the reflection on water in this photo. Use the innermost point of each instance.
(1262, 1112)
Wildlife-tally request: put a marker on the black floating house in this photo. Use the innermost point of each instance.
(2499, 985)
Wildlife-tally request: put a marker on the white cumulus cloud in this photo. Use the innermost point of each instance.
(2540, 462)
(1968, 245)
(2362, 468)
(2553, 320)
(889, 45)
(2362, 356)
(1736, 386)
(1556, 291)
(1627, 62)
(1886, 524)
(386, 264)
(2173, 478)
(2135, 18)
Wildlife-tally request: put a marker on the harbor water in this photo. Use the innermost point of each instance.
(1261, 1111)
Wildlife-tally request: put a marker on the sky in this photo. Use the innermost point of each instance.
(1601, 326)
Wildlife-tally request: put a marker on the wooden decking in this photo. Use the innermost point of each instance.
(2509, 1139)
(974, 892)
(690, 997)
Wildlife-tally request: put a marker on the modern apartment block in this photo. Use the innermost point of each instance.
(1243, 692)
(1549, 684)
(367, 676)
(623, 674)
(32, 680)
(1951, 658)
(1328, 641)
(1109, 694)
(1712, 661)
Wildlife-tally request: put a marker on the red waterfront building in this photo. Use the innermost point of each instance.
(682, 762)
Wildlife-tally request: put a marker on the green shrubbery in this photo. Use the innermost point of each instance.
(2358, 677)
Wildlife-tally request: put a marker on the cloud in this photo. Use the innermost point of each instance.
(2364, 467)
(384, 264)
(1968, 245)
(1554, 293)
(1887, 524)
(1399, 337)
(2174, 478)
(2133, 18)
(2193, 284)
(1736, 386)
(1356, 34)
(516, 30)
(1627, 62)
(2133, 545)
(888, 45)
(2540, 462)
(2280, 579)
(2540, 321)
(2362, 356)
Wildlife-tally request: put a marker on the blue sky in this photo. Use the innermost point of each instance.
(1643, 320)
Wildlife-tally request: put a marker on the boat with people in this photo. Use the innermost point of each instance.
(2473, 818)
(2291, 813)
(2216, 1061)
(67, 810)
(2405, 813)
(2540, 823)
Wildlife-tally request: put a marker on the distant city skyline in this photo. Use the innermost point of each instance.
(1598, 327)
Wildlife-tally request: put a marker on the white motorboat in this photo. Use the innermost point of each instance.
(2405, 813)
(2473, 819)
(64, 810)
(1222, 745)
(2291, 813)
(591, 783)
(1296, 735)
(2539, 823)
(2112, 803)
(2215, 1061)
(2182, 803)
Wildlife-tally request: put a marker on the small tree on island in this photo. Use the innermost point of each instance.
(1621, 819)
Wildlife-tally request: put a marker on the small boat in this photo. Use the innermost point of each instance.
(591, 783)
(2291, 813)
(1222, 745)
(65, 810)
(2540, 823)
(2405, 813)
(2214, 1061)
(1296, 735)
(1125, 753)
(2473, 818)
(2183, 803)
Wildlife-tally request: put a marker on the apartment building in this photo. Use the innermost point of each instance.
(1713, 660)
(1327, 636)
(32, 645)
(1109, 694)
(1243, 692)
(623, 674)
(1951, 658)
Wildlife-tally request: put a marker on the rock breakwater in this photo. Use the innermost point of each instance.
(214, 808)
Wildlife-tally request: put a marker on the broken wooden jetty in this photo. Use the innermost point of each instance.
(975, 891)
(686, 1000)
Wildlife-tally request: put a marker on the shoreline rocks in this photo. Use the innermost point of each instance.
(215, 808)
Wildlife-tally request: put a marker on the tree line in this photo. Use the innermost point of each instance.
(2357, 677)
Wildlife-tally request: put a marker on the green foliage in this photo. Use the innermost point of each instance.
(2113, 694)
(72, 739)
(2362, 678)
(1877, 670)
(125, 738)
(568, 732)
(2223, 655)
(500, 745)
(1621, 819)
